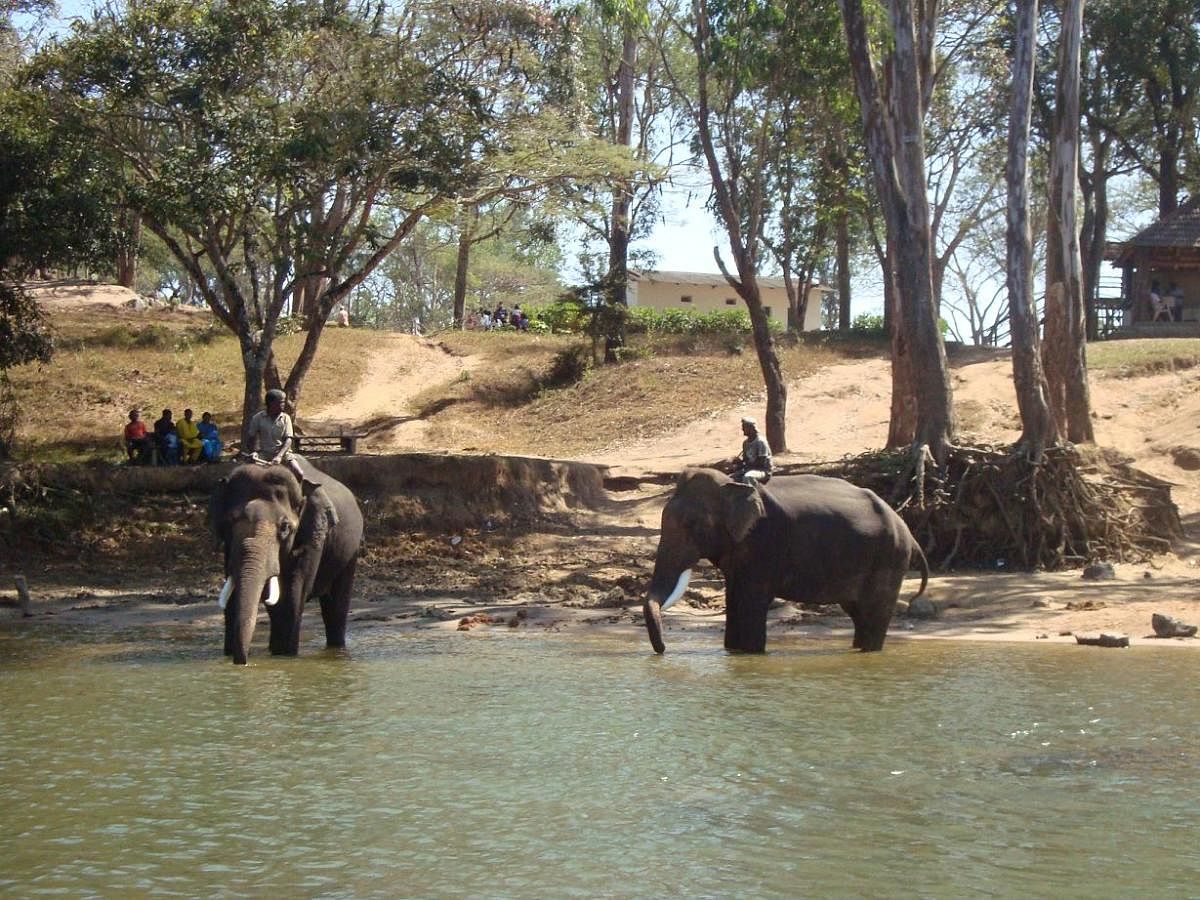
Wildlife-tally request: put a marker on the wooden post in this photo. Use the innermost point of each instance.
(23, 594)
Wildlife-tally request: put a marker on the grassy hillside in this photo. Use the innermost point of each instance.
(542, 395)
(110, 360)
(521, 393)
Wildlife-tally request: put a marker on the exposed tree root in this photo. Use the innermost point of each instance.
(991, 507)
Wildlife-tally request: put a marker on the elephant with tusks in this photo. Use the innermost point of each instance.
(800, 537)
(285, 539)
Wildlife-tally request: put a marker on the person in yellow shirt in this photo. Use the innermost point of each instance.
(190, 445)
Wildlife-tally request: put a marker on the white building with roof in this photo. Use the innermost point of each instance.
(706, 293)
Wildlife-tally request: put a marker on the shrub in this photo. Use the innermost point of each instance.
(646, 320)
(559, 317)
(568, 367)
(155, 337)
(867, 322)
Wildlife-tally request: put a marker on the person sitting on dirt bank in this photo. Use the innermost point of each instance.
(166, 439)
(270, 437)
(210, 438)
(753, 465)
(137, 440)
(190, 446)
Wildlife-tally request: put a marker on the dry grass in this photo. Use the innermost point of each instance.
(514, 403)
(1144, 356)
(110, 360)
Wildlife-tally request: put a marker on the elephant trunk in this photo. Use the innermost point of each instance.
(252, 580)
(658, 600)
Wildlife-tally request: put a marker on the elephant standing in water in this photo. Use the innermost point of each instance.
(285, 540)
(799, 537)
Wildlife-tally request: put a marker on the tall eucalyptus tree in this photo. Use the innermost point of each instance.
(894, 94)
(1037, 423)
(1064, 346)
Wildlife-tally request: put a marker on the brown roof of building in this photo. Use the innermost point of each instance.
(1179, 229)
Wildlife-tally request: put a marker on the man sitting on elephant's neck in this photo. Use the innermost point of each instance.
(754, 464)
(270, 438)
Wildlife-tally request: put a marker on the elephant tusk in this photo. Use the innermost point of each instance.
(680, 586)
(273, 591)
(226, 591)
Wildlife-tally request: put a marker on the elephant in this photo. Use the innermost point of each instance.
(800, 537)
(285, 539)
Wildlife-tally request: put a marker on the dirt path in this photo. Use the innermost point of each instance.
(841, 410)
(383, 404)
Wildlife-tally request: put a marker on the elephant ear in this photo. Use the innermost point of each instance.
(743, 508)
(317, 515)
(218, 516)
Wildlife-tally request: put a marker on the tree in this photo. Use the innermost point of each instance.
(1038, 425)
(262, 141)
(623, 45)
(894, 133)
(1151, 52)
(1064, 350)
(24, 338)
(814, 160)
(741, 89)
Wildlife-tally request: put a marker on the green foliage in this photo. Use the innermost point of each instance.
(563, 316)
(645, 320)
(24, 335)
(24, 338)
(569, 316)
(868, 322)
(55, 208)
(285, 137)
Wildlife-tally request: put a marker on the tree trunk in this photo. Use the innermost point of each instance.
(129, 241)
(1168, 179)
(843, 269)
(295, 380)
(743, 244)
(1037, 424)
(618, 247)
(1094, 233)
(902, 423)
(465, 236)
(1065, 351)
(253, 364)
(768, 362)
(896, 145)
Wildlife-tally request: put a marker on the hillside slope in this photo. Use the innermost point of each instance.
(837, 410)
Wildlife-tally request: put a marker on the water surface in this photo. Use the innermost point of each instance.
(518, 765)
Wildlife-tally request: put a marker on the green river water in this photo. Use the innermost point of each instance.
(521, 765)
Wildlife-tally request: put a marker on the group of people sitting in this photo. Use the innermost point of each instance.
(170, 442)
(500, 317)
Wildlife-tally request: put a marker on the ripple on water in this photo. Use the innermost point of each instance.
(518, 765)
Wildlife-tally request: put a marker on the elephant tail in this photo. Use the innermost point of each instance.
(923, 565)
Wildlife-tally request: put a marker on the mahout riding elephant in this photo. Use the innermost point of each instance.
(285, 539)
(800, 537)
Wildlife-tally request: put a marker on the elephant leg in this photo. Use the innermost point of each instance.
(230, 632)
(285, 626)
(746, 618)
(856, 617)
(877, 604)
(335, 606)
